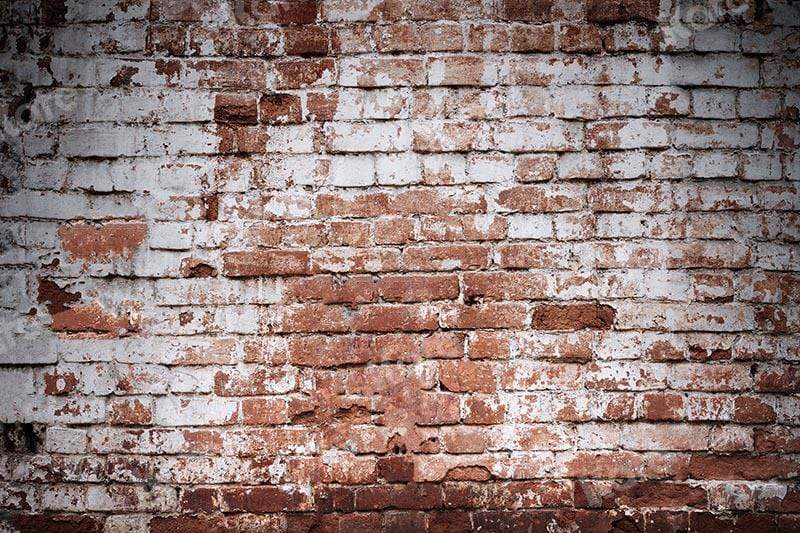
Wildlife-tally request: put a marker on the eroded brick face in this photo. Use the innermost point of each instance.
(399, 265)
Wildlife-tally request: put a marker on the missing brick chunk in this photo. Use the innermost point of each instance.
(22, 437)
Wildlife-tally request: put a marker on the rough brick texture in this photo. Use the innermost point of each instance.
(399, 265)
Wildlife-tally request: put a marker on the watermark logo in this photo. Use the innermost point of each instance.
(691, 17)
(35, 105)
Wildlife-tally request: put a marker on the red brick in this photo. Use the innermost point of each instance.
(233, 75)
(322, 106)
(264, 499)
(92, 319)
(526, 38)
(506, 285)
(527, 10)
(265, 263)
(742, 467)
(397, 469)
(293, 74)
(622, 10)
(410, 496)
(313, 318)
(537, 199)
(190, 524)
(641, 494)
(461, 70)
(235, 109)
(447, 9)
(235, 139)
(483, 411)
(400, 37)
(278, 11)
(489, 315)
(329, 351)
(102, 242)
(130, 412)
(58, 383)
(572, 317)
(580, 38)
(384, 318)
(349, 233)
(742, 522)
(382, 72)
(418, 288)
(394, 231)
(306, 40)
(663, 406)
(444, 345)
(782, 379)
(466, 257)
(467, 376)
(61, 523)
(264, 411)
(280, 109)
(489, 345)
(166, 39)
(752, 410)
(200, 499)
(331, 290)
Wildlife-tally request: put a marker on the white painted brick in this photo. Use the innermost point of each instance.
(714, 103)
(490, 168)
(713, 164)
(171, 236)
(398, 169)
(368, 137)
(444, 168)
(191, 411)
(352, 171)
(761, 166)
(530, 227)
(759, 103)
(66, 440)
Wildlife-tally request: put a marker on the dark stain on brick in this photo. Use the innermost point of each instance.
(55, 298)
(124, 76)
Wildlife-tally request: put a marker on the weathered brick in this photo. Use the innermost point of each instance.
(418, 288)
(383, 265)
(306, 40)
(622, 10)
(265, 263)
(293, 74)
(236, 109)
(575, 316)
(279, 109)
(580, 38)
(381, 72)
(91, 243)
(265, 499)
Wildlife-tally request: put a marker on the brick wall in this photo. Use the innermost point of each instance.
(399, 265)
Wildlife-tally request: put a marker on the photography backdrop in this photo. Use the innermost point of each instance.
(399, 265)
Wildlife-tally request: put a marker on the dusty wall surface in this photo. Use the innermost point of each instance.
(399, 265)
